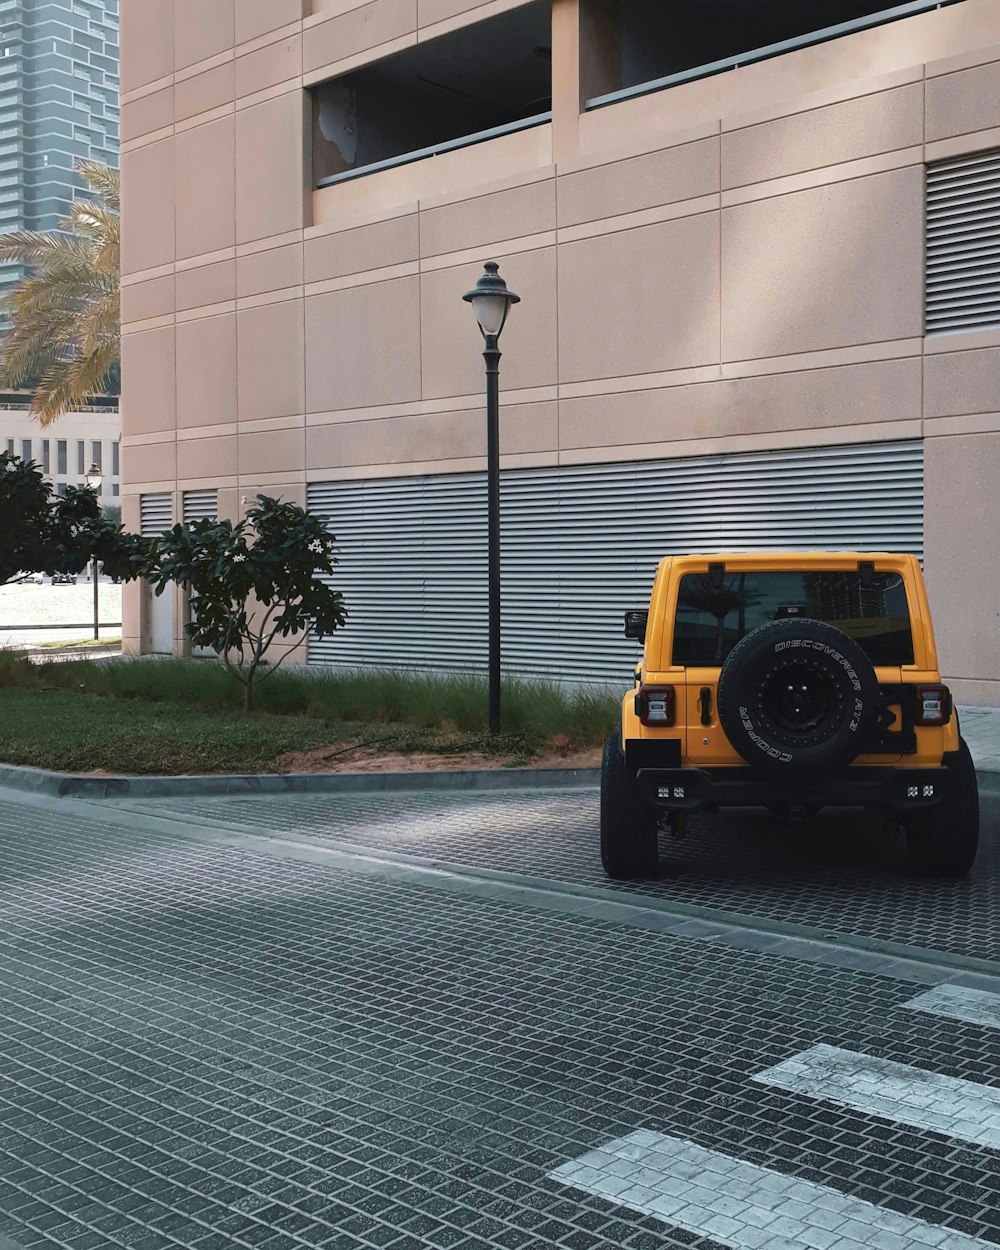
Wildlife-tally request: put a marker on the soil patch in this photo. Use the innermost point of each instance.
(370, 759)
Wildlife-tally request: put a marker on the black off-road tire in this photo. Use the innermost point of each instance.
(943, 841)
(628, 827)
(762, 717)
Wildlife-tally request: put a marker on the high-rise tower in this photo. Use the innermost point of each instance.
(58, 104)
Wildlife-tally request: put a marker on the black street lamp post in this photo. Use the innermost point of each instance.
(491, 302)
(95, 480)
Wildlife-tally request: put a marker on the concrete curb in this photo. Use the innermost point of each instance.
(70, 785)
(79, 786)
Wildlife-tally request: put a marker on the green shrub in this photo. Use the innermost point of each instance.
(536, 712)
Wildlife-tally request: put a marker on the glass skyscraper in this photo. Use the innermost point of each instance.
(59, 85)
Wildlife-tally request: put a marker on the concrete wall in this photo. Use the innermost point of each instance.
(733, 264)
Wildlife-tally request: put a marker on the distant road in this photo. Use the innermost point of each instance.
(29, 604)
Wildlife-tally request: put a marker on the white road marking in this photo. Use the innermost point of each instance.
(959, 1003)
(894, 1091)
(744, 1206)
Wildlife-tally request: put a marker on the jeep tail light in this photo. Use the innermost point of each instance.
(654, 705)
(933, 705)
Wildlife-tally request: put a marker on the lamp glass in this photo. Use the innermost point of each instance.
(491, 311)
(94, 478)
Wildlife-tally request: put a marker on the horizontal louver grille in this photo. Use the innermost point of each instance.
(581, 544)
(201, 505)
(155, 514)
(963, 243)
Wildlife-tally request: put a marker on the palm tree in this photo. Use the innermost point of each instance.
(65, 334)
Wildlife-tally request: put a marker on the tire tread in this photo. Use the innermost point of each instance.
(628, 831)
(943, 842)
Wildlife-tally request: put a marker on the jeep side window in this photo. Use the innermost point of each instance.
(712, 619)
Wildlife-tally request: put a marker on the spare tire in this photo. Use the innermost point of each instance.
(796, 697)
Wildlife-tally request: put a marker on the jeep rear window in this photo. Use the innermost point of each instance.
(711, 621)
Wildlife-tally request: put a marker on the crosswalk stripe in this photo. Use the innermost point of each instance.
(742, 1205)
(958, 1002)
(894, 1091)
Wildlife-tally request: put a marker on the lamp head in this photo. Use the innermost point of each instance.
(491, 300)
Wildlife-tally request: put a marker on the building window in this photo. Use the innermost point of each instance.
(45, 456)
(963, 242)
(96, 455)
(61, 489)
(61, 456)
(115, 464)
(81, 457)
(25, 448)
(637, 46)
(10, 446)
(115, 491)
(484, 79)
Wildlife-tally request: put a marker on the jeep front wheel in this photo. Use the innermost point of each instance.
(943, 841)
(628, 829)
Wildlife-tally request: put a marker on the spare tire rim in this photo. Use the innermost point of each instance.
(800, 703)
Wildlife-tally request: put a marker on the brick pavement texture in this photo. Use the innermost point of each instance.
(208, 1048)
(745, 1206)
(835, 873)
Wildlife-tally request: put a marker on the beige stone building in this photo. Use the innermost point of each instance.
(757, 248)
(68, 448)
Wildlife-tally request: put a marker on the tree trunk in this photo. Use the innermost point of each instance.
(248, 696)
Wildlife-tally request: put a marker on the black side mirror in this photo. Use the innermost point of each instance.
(636, 620)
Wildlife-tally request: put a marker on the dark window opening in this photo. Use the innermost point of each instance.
(492, 76)
(81, 457)
(96, 455)
(710, 621)
(61, 455)
(45, 456)
(115, 459)
(25, 448)
(650, 40)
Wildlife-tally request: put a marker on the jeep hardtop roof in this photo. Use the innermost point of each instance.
(790, 557)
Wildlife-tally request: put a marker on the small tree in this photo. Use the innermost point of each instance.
(42, 532)
(253, 581)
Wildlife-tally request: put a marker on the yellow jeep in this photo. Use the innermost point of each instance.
(790, 681)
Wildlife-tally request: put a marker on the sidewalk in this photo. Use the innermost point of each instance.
(981, 729)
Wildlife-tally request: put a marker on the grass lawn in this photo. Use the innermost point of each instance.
(178, 716)
(86, 732)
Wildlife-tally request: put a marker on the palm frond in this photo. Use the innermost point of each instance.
(28, 247)
(65, 313)
(68, 383)
(104, 180)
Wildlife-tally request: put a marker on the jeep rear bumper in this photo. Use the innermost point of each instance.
(888, 789)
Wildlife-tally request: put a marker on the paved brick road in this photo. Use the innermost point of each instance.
(208, 1045)
(835, 874)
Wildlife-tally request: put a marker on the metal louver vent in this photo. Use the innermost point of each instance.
(201, 505)
(581, 544)
(963, 242)
(156, 514)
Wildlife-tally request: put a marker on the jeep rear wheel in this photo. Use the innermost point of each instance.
(943, 841)
(796, 698)
(628, 828)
